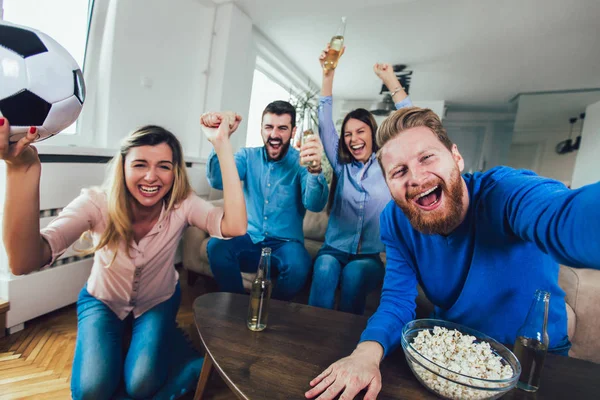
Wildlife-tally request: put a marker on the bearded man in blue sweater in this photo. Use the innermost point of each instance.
(478, 244)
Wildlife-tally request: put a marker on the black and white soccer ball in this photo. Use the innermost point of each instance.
(41, 84)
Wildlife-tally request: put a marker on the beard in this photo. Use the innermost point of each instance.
(283, 149)
(445, 218)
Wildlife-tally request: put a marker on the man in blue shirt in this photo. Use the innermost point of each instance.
(278, 189)
(478, 244)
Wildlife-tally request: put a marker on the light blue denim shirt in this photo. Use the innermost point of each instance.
(277, 193)
(360, 196)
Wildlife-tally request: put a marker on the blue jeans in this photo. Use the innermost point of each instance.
(357, 275)
(290, 262)
(159, 363)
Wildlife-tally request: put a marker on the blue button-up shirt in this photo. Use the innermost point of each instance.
(360, 196)
(277, 193)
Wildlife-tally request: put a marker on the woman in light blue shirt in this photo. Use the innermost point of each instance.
(350, 256)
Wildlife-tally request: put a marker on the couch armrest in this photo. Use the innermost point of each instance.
(582, 290)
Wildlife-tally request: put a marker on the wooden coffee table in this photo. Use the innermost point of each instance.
(301, 341)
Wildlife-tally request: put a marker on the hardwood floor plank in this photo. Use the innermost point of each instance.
(9, 381)
(7, 342)
(32, 351)
(53, 354)
(45, 349)
(18, 386)
(6, 365)
(20, 371)
(38, 388)
(60, 394)
(66, 357)
(30, 337)
(12, 357)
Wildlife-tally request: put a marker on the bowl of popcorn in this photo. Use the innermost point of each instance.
(456, 362)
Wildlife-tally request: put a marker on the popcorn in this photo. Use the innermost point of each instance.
(461, 354)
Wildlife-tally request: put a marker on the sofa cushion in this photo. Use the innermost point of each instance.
(315, 225)
(312, 246)
(587, 322)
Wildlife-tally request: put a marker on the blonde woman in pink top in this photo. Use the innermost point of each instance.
(135, 222)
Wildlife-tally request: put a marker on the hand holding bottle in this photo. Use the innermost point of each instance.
(311, 153)
(334, 50)
(323, 57)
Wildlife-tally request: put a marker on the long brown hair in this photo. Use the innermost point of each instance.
(119, 227)
(343, 154)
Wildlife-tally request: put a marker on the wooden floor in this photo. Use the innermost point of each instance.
(36, 362)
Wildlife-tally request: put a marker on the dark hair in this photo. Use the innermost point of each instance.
(280, 107)
(344, 156)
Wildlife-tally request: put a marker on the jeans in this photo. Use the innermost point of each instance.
(563, 347)
(159, 363)
(357, 275)
(290, 262)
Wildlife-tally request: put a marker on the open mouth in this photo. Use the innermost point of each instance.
(429, 199)
(148, 191)
(275, 143)
(357, 148)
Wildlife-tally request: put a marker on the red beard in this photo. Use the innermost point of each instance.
(445, 218)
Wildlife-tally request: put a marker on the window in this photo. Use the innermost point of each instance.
(264, 91)
(66, 21)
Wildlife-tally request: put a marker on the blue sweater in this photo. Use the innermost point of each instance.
(484, 274)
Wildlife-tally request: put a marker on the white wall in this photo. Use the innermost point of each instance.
(146, 63)
(525, 156)
(483, 137)
(550, 164)
(166, 64)
(232, 60)
(587, 166)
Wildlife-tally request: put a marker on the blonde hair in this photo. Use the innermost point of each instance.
(407, 118)
(119, 227)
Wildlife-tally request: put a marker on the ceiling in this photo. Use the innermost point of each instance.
(466, 52)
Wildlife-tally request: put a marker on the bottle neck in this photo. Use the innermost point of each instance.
(264, 267)
(536, 323)
(341, 27)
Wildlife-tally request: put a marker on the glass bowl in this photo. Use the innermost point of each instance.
(453, 385)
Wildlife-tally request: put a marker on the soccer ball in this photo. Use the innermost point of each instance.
(41, 85)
